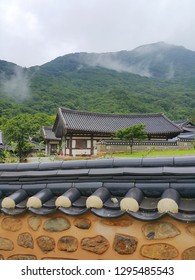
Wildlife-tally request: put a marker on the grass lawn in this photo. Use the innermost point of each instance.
(156, 153)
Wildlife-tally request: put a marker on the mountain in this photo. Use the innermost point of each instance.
(151, 78)
(157, 60)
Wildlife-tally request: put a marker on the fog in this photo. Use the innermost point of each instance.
(17, 86)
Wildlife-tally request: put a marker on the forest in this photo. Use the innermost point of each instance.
(161, 79)
(155, 78)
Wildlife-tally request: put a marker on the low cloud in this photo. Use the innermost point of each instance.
(142, 61)
(113, 62)
(17, 86)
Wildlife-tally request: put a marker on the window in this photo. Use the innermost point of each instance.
(53, 149)
(81, 144)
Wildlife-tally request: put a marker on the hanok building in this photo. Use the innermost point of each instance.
(80, 131)
(188, 130)
(52, 143)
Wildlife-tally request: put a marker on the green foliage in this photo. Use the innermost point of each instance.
(2, 156)
(132, 133)
(10, 157)
(40, 150)
(76, 81)
(19, 130)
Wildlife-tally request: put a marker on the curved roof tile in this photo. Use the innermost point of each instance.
(154, 178)
(110, 123)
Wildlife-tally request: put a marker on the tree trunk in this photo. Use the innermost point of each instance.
(131, 145)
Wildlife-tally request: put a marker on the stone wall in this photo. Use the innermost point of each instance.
(117, 148)
(58, 236)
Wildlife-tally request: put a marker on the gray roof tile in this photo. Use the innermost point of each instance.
(42, 211)
(73, 211)
(182, 217)
(165, 161)
(146, 216)
(107, 213)
(49, 134)
(110, 123)
(13, 211)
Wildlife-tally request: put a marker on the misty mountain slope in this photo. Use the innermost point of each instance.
(166, 61)
(14, 81)
(157, 60)
(151, 78)
(7, 68)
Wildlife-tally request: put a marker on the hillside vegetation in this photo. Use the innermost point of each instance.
(151, 78)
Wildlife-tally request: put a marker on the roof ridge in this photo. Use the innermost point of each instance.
(110, 114)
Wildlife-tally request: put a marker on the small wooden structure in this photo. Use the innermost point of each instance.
(52, 143)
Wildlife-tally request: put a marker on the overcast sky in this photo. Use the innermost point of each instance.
(33, 32)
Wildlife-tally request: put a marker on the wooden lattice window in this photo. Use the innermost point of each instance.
(81, 144)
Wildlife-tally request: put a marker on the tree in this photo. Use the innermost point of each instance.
(131, 133)
(21, 129)
(17, 130)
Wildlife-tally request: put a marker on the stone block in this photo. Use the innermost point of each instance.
(124, 244)
(34, 222)
(159, 251)
(67, 243)
(56, 224)
(22, 257)
(46, 243)
(11, 224)
(25, 240)
(98, 244)
(191, 229)
(189, 254)
(6, 244)
(82, 223)
(161, 230)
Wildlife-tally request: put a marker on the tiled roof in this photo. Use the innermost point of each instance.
(185, 126)
(181, 123)
(110, 123)
(48, 133)
(144, 188)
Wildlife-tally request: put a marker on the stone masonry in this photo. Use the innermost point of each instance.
(57, 236)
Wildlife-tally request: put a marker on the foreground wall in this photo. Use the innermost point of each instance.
(30, 236)
(142, 208)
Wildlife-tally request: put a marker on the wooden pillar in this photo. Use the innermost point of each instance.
(70, 145)
(63, 145)
(92, 147)
(48, 147)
